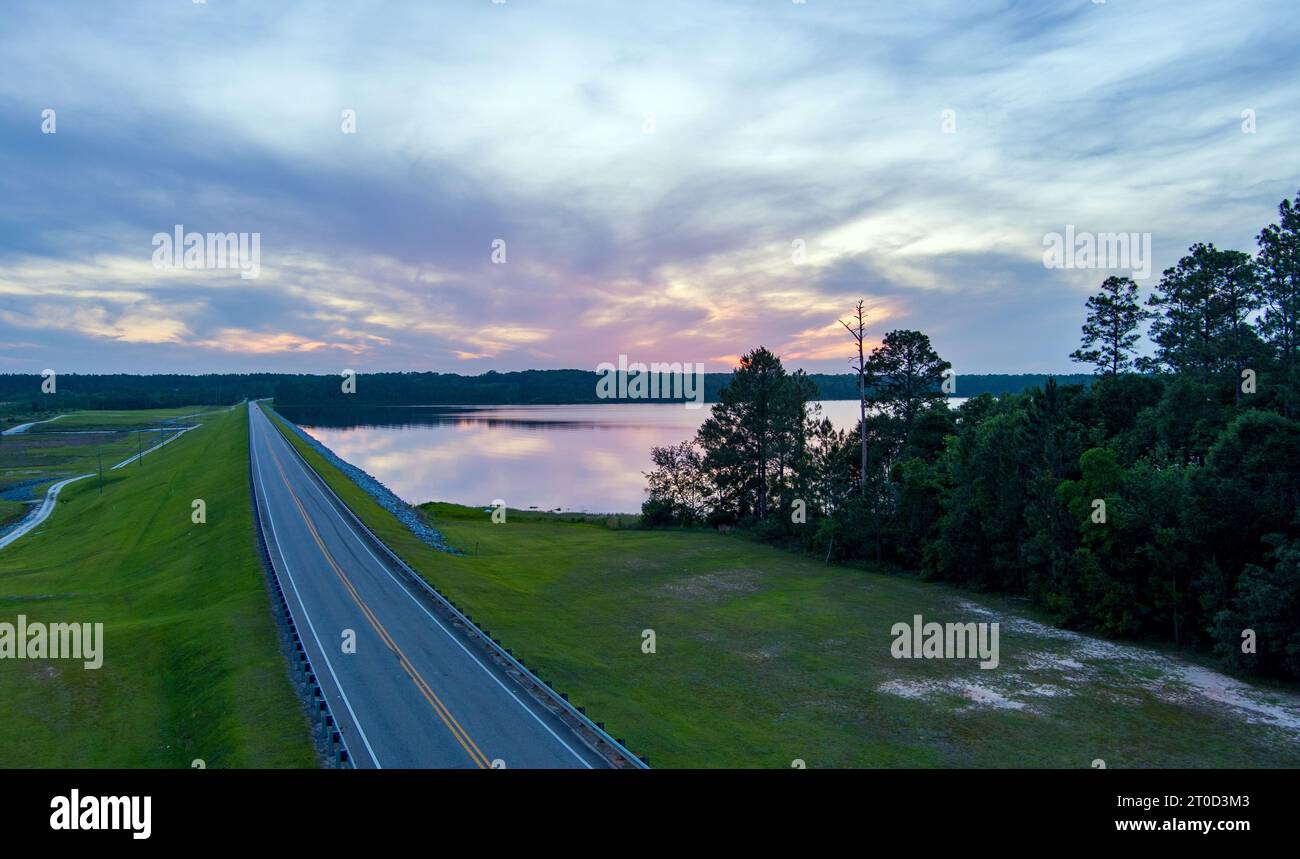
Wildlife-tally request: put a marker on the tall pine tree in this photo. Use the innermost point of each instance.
(750, 437)
(1110, 332)
(909, 375)
(1278, 271)
(1205, 302)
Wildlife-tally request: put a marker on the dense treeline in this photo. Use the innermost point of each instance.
(1162, 505)
(23, 393)
(524, 387)
(551, 387)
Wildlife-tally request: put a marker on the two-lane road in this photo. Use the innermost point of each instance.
(414, 693)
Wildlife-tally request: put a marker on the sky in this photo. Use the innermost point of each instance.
(471, 185)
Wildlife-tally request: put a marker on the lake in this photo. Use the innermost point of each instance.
(586, 458)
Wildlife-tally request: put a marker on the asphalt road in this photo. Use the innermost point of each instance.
(414, 694)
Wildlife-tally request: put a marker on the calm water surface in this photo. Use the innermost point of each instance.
(588, 458)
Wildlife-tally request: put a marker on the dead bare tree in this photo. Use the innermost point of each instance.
(858, 330)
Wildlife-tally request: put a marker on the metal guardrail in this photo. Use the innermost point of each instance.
(631, 759)
(323, 715)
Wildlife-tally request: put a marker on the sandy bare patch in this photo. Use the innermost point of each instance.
(910, 688)
(1164, 677)
(712, 587)
(1046, 690)
(1043, 661)
(1075, 663)
(763, 654)
(983, 696)
(979, 695)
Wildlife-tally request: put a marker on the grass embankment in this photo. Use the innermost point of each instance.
(129, 419)
(46, 457)
(764, 656)
(79, 442)
(11, 511)
(192, 663)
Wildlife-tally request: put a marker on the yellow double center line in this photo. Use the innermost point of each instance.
(461, 735)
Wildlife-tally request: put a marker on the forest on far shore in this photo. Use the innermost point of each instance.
(21, 393)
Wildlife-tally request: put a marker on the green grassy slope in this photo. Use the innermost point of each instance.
(129, 419)
(764, 657)
(192, 664)
(11, 511)
(77, 443)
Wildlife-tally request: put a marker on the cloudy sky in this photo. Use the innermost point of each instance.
(671, 181)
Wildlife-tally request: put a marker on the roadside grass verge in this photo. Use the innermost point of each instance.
(192, 661)
(764, 657)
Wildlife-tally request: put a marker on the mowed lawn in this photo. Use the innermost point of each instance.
(192, 662)
(764, 657)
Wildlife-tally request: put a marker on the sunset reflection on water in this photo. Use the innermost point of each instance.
(587, 458)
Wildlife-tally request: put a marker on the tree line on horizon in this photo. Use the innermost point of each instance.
(559, 387)
(21, 392)
(1161, 502)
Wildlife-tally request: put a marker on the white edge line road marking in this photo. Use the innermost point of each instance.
(307, 617)
(41, 513)
(298, 461)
